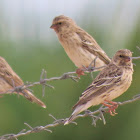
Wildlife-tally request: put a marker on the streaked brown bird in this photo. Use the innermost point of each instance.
(9, 79)
(110, 83)
(81, 48)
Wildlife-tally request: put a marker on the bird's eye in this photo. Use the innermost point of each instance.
(120, 56)
(60, 23)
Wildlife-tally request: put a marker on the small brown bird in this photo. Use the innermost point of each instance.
(81, 48)
(9, 79)
(110, 83)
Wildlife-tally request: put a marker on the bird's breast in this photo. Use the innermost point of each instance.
(121, 86)
(80, 57)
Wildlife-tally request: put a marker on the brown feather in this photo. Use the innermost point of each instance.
(9, 79)
(90, 44)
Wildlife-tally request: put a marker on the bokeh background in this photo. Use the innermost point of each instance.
(29, 45)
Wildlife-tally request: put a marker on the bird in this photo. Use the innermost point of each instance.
(109, 84)
(81, 47)
(9, 80)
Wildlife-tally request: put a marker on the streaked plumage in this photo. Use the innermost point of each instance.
(9, 79)
(110, 83)
(81, 48)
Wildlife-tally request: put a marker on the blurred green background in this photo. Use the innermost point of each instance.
(29, 45)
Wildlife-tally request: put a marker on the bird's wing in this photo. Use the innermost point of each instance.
(92, 46)
(104, 82)
(8, 74)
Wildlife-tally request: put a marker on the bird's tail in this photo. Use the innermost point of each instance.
(77, 110)
(28, 95)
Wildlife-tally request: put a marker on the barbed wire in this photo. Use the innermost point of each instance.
(100, 116)
(44, 80)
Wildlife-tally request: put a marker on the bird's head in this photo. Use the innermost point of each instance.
(123, 58)
(62, 24)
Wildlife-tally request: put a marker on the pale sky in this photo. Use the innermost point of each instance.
(32, 18)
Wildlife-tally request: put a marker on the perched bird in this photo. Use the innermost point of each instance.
(9, 80)
(110, 83)
(81, 48)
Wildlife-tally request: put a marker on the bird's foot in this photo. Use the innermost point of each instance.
(80, 72)
(112, 106)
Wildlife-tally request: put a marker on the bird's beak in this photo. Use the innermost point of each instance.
(127, 58)
(53, 26)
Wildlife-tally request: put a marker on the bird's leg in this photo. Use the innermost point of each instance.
(80, 72)
(112, 107)
(113, 103)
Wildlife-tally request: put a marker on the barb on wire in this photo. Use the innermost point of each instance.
(99, 116)
(43, 81)
(92, 67)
